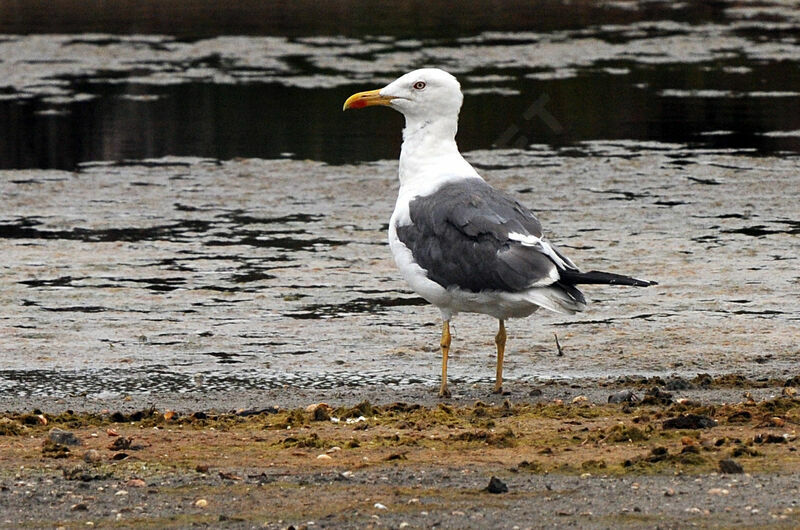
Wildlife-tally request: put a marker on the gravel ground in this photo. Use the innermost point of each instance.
(293, 397)
(533, 501)
(231, 475)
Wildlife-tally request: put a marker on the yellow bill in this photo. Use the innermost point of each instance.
(366, 99)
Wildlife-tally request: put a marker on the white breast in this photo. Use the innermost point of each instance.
(415, 275)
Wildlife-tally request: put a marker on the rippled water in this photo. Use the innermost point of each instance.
(68, 99)
(183, 214)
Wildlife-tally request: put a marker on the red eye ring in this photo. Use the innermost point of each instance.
(419, 85)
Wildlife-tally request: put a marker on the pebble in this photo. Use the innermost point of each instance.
(496, 486)
(319, 411)
(60, 436)
(770, 438)
(121, 443)
(776, 421)
(689, 421)
(92, 456)
(579, 399)
(730, 466)
(623, 396)
(380, 506)
(120, 493)
(718, 491)
(324, 457)
(79, 507)
(656, 396)
(136, 483)
(669, 492)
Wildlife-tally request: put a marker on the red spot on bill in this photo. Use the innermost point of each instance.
(360, 103)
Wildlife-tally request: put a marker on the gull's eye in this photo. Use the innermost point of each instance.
(419, 85)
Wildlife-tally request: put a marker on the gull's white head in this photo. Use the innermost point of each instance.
(430, 99)
(427, 94)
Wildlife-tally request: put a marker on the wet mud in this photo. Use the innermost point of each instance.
(187, 274)
(643, 462)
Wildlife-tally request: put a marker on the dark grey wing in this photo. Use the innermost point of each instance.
(469, 235)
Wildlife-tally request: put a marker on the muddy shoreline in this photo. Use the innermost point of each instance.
(424, 395)
(202, 325)
(407, 459)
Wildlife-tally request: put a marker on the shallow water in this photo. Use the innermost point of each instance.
(183, 214)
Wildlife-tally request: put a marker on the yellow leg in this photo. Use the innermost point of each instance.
(500, 341)
(443, 392)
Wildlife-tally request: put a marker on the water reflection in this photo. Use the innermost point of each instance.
(406, 18)
(225, 121)
(719, 75)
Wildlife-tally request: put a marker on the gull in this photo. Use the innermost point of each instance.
(461, 244)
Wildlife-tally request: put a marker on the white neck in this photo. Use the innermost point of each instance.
(429, 155)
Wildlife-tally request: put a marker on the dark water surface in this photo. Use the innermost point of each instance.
(353, 18)
(727, 76)
(185, 207)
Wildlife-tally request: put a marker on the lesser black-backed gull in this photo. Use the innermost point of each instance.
(460, 244)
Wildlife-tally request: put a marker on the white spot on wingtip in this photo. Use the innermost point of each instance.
(544, 247)
(528, 240)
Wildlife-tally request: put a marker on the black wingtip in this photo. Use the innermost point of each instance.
(604, 278)
(636, 282)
